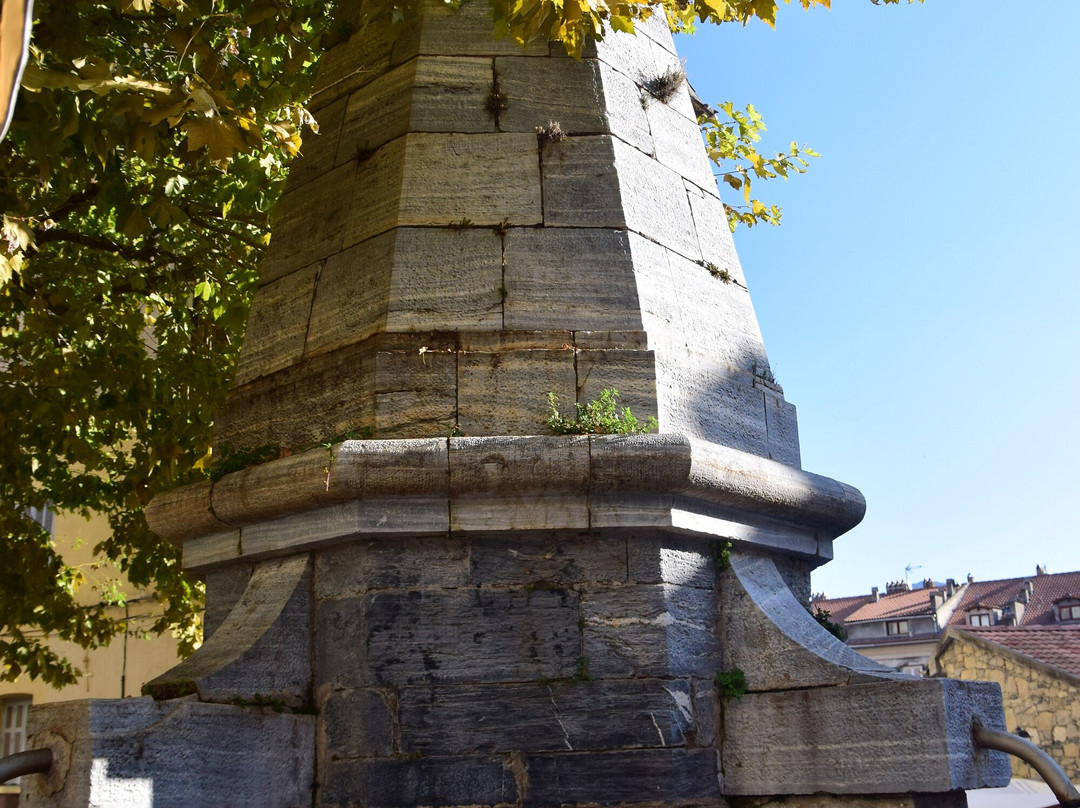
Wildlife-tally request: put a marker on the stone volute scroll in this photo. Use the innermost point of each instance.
(429, 598)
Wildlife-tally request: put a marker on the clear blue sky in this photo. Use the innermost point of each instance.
(921, 301)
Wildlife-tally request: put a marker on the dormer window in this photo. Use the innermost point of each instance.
(981, 617)
(896, 628)
(1068, 610)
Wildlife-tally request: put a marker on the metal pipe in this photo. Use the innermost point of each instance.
(1035, 757)
(32, 761)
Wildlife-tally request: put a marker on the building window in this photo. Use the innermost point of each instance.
(15, 710)
(1068, 610)
(980, 619)
(895, 628)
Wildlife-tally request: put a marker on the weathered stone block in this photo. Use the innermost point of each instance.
(569, 279)
(581, 185)
(262, 649)
(416, 371)
(400, 563)
(669, 559)
(655, 202)
(211, 550)
(224, 586)
(705, 703)
(449, 279)
(541, 91)
(636, 58)
(538, 512)
(252, 494)
(506, 393)
(505, 465)
(416, 180)
(644, 464)
(709, 400)
(771, 637)
(282, 409)
(386, 468)
(713, 233)
(354, 63)
(393, 516)
(657, 630)
(415, 394)
(783, 429)
(466, 31)
(397, 783)
(376, 192)
(652, 776)
(717, 319)
(950, 799)
(631, 373)
(561, 558)
(415, 413)
(320, 148)
(625, 114)
(277, 326)
(882, 738)
(310, 222)
(357, 723)
(351, 300)
(555, 716)
(184, 513)
(136, 753)
(677, 140)
(450, 636)
(428, 94)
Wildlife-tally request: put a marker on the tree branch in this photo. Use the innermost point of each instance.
(73, 202)
(58, 234)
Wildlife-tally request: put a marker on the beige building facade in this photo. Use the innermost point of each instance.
(1041, 696)
(117, 670)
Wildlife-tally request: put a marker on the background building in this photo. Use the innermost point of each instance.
(902, 627)
(1038, 668)
(117, 670)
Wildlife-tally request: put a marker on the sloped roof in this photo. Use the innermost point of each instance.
(897, 605)
(1056, 646)
(840, 608)
(1047, 590)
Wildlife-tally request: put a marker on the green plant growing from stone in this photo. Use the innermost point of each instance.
(552, 133)
(664, 86)
(718, 273)
(823, 619)
(582, 674)
(731, 684)
(601, 416)
(722, 560)
(233, 459)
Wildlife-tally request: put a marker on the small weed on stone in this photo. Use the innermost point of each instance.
(601, 416)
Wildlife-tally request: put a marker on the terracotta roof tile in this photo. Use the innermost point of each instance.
(896, 605)
(1047, 590)
(1056, 646)
(840, 608)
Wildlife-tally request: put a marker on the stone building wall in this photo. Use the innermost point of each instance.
(1040, 700)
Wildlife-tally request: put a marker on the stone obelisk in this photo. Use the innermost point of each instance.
(463, 608)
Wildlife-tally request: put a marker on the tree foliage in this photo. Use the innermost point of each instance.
(148, 147)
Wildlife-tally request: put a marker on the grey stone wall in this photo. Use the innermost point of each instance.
(564, 667)
(437, 267)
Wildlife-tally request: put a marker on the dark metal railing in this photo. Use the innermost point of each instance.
(32, 761)
(1047, 768)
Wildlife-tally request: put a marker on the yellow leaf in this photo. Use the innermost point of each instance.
(17, 234)
(220, 138)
